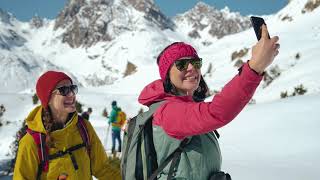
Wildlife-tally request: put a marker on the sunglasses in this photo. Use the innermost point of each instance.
(65, 90)
(183, 64)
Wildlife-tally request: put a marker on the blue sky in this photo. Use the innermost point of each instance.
(245, 7)
(25, 9)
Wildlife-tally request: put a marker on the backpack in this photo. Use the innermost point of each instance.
(120, 119)
(43, 149)
(140, 159)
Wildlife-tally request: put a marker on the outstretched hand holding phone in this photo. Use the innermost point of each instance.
(264, 52)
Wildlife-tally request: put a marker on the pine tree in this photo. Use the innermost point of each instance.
(35, 99)
(2, 110)
(79, 107)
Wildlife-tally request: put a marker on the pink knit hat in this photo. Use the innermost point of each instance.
(172, 53)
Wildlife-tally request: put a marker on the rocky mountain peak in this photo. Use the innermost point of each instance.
(36, 22)
(141, 5)
(87, 22)
(217, 23)
(83, 23)
(5, 17)
(203, 7)
(152, 13)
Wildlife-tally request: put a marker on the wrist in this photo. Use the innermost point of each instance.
(252, 65)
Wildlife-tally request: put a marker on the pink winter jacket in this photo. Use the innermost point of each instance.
(180, 116)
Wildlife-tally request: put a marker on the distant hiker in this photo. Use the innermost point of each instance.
(86, 114)
(182, 123)
(105, 113)
(117, 119)
(58, 142)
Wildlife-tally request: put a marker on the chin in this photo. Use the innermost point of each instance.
(191, 88)
(70, 109)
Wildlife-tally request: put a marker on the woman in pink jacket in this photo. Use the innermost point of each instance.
(184, 114)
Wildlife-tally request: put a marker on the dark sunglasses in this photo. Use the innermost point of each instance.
(183, 64)
(65, 90)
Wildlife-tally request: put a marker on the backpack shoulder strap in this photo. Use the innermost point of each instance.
(43, 151)
(84, 133)
(172, 157)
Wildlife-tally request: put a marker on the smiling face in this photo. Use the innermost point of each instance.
(62, 104)
(185, 81)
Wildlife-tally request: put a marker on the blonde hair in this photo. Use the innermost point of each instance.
(47, 121)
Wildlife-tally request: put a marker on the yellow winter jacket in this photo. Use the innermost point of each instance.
(26, 166)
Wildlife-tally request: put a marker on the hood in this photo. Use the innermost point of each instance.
(154, 92)
(34, 121)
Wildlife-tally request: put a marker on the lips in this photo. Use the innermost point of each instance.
(191, 78)
(69, 103)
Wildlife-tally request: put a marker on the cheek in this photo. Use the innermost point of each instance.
(175, 75)
(55, 101)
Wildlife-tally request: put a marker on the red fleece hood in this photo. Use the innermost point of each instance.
(154, 92)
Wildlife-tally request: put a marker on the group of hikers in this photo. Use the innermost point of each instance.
(183, 144)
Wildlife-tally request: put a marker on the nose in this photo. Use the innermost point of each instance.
(71, 93)
(190, 67)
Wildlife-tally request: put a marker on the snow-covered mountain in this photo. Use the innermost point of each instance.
(96, 40)
(19, 65)
(137, 32)
(296, 63)
(204, 22)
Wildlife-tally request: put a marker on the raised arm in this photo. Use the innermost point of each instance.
(180, 119)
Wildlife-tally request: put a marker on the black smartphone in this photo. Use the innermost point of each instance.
(257, 22)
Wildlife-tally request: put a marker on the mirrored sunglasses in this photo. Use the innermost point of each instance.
(65, 90)
(183, 64)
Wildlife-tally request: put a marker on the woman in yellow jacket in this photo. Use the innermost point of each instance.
(57, 119)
